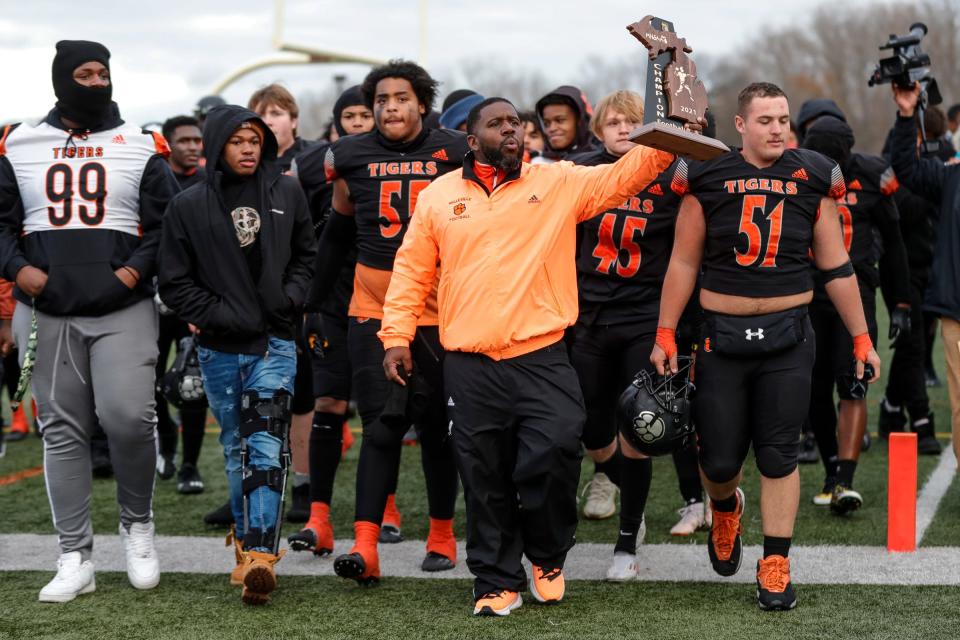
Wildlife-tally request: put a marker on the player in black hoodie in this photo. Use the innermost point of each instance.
(82, 196)
(235, 262)
(565, 115)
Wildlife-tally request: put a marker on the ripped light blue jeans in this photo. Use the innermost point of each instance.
(225, 377)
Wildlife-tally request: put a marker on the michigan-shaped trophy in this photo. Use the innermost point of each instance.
(675, 95)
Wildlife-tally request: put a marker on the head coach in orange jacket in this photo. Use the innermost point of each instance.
(501, 234)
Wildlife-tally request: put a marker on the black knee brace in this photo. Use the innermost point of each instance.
(776, 461)
(271, 415)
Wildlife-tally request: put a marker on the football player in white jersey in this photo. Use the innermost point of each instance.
(82, 196)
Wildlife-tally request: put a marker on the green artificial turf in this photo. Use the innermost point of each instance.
(202, 606)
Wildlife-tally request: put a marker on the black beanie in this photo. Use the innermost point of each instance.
(89, 106)
(352, 97)
(832, 137)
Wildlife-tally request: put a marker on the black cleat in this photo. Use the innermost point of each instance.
(220, 517)
(927, 444)
(299, 511)
(774, 589)
(352, 566)
(189, 481)
(166, 467)
(808, 449)
(390, 534)
(303, 540)
(434, 561)
(724, 544)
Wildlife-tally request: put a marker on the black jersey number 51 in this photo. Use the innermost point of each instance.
(90, 186)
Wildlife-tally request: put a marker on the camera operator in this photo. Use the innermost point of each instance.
(939, 183)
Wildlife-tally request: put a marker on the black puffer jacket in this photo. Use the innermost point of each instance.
(203, 275)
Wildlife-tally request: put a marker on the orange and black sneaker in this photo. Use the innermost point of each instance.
(724, 544)
(497, 603)
(317, 534)
(441, 546)
(390, 527)
(547, 585)
(363, 562)
(774, 589)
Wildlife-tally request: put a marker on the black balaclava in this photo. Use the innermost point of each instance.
(88, 106)
(352, 97)
(832, 137)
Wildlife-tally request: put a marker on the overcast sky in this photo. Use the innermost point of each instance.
(167, 54)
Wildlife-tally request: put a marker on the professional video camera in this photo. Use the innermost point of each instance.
(907, 65)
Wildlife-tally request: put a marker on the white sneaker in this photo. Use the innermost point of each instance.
(624, 567)
(143, 567)
(693, 517)
(601, 498)
(74, 577)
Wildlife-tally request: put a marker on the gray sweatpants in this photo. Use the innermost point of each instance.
(91, 369)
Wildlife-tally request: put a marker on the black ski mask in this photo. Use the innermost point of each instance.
(88, 106)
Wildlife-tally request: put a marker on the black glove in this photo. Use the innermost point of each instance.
(312, 335)
(899, 325)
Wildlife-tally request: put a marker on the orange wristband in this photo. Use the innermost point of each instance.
(667, 340)
(862, 344)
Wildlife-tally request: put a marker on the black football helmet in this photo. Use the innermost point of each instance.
(653, 413)
(182, 385)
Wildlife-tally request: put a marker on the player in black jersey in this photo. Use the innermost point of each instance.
(869, 220)
(376, 178)
(750, 219)
(622, 258)
(327, 329)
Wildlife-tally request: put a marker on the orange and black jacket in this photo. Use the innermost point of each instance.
(508, 279)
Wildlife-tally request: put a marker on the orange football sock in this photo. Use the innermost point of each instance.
(391, 515)
(365, 543)
(441, 539)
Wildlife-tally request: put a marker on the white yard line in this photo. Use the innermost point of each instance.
(933, 491)
(660, 562)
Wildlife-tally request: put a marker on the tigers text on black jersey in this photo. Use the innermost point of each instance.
(624, 252)
(384, 181)
(759, 221)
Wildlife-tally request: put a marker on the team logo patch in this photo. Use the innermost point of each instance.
(706, 345)
(648, 426)
(118, 139)
(459, 208)
(655, 190)
(800, 174)
(855, 186)
(440, 155)
(533, 199)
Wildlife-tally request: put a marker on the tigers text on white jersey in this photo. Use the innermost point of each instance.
(80, 182)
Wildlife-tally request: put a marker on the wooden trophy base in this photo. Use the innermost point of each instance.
(674, 139)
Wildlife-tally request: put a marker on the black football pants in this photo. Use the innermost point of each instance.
(516, 428)
(379, 461)
(906, 385)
